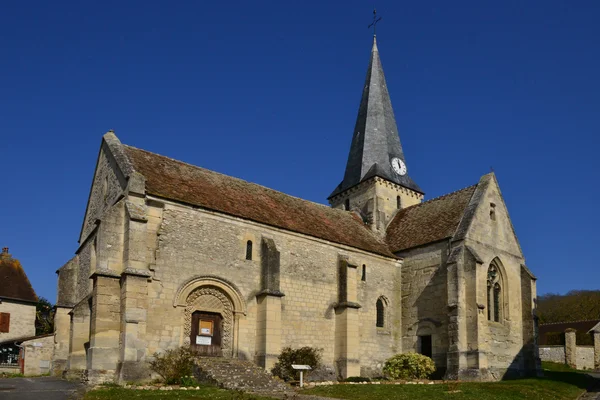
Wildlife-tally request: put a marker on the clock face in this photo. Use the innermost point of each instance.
(398, 166)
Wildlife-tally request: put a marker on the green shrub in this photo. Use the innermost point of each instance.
(187, 381)
(356, 379)
(409, 366)
(304, 355)
(174, 365)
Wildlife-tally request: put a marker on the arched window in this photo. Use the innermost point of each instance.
(249, 250)
(494, 292)
(347, 205)
(364, 273)
(380, 305)
(398, 202)
(497, 302)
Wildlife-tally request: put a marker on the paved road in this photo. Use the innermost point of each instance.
(45, 388)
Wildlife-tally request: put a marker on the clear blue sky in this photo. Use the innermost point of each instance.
(268, 92)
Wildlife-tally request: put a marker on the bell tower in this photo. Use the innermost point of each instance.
(376, 183)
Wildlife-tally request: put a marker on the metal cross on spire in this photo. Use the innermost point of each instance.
(374, 23)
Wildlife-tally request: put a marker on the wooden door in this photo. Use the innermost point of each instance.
(206, 334)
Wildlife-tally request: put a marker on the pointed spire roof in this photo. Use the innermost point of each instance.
(375, 142)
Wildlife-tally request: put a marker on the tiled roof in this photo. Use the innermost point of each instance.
(14, 282)
(175, 180)
(428, 222)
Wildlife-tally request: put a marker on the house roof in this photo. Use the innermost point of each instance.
(176, 180)
(15, 284)
(580, 326)
(429, 221)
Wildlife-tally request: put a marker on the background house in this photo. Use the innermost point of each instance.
(17, 310)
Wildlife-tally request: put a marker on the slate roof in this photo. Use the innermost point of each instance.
(14, 282)
(176, 180)
(429, 221)
(375, 140)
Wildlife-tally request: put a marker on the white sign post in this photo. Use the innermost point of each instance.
(302, 368)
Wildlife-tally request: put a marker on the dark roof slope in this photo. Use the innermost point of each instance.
(186, 183)
(428, 222)
(14, 282)
(555, 327)
(375, 141)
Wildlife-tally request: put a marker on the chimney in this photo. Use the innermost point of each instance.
(5, 253)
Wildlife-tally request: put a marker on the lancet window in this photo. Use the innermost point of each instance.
(494, 293)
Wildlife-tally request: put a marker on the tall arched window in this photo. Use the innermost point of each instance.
(380, 305)
(398, 202)
(249, 250)
(494, 292)
(497, 302)
(347, 205)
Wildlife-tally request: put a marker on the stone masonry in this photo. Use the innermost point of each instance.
(22, 319)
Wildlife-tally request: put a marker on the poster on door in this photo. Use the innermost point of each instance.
(204, 340)
(206, 327)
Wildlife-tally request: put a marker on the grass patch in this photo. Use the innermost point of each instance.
(559, 383)
(205, 392)
(10, 375)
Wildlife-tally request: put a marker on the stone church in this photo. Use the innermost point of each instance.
(172, 255)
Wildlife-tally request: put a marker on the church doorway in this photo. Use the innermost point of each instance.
(206, 334)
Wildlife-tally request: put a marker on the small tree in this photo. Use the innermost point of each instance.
(44, 317)
(409, 366)
(304, 355)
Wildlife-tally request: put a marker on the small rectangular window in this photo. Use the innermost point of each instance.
(4, 322)
(492, 211)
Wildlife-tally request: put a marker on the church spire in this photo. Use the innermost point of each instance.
(376, 148)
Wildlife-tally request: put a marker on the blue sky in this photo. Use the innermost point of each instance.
(268, 92)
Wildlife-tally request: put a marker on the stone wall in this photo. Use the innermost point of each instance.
(22, 319)
(38, 355)
(425, 300)
(585, 357)
(107, 186)
(489, 238)
(376, 201)
(192, 244)
(554, 354)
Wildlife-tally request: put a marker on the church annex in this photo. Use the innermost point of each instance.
(172, 255)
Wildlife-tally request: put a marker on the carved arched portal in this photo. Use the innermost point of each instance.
(211, 296)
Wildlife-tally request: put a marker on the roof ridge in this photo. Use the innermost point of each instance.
(571, 322)
(235, 177)
(441, 197)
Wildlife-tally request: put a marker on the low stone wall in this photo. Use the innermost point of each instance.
(553, 354)
(585, 355)
(38, 354)
(9, 370)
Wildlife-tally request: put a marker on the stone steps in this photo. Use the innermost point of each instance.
(236, 374)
